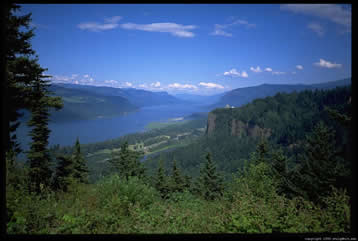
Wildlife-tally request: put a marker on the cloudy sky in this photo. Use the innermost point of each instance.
(200, 49)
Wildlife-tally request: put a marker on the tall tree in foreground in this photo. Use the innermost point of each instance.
(80, 167)
(176, 182)
(161, 182)
(64, 173)
(38, 155)
(210, 183)
(127, 163)
(321, 165)
(262, 152)
(280, 170)
(17, 68)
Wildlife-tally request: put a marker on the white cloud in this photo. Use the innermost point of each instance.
(268, 69)
(156, 84)
(128, 84)
(244, 74)
(143, 85)
(86, 76)
(219, 28)
(219, 31)
(256, 70)
(64, 79)
(175, 29)
(97, 27)
(114, 19)
(111, 81)
(182, 86)
(278, 73)
(293, 72)
(317, 28)
(211, 85)
(232, 73)
(300, 67)
(326, 64)
(333, 12)
(244, 22)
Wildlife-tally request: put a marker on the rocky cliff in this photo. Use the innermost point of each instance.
(224, 122)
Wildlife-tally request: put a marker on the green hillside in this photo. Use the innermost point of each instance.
(241, 96)
(284, 119)
(81, 104)
(137, 97)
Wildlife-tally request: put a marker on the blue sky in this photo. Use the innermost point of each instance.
(196, 48)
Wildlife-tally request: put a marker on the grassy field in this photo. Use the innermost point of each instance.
(157, 125)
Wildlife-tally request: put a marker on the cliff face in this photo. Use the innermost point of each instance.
(211, 123)
(236, 127)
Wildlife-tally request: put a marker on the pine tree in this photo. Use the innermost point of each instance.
(321, 165)
(210, 183)
(176, 179)
(161, 183)
(38, 156)
(24, 88)
(262, 151)
(21, 73)
(80, 167)
(127, 162)
(18, 44)
(279, 169)
(64, 173)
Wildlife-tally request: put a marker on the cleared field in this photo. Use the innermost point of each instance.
(157, 125)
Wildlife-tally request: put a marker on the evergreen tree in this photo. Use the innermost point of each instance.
(187, 182)
(127, 162)
(262, 152)
(64, 176)
(38, 155)
(176, 179)
(21, 73)
(161, 183)
(280, 169)
(210, 183)
(321, 165)
(80, 167)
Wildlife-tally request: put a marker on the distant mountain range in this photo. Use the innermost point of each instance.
(137, 97)
(200, 99)
(241, 96)
(90, 102)
(82, 104)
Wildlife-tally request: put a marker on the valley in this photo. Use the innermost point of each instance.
(221, 119)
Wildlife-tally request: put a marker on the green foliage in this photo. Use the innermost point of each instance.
(80, 167)
(258, 208)
(127, 163)
(210, 183)
(176, 179)
(65, 171)
(128, 192)
(38, 155)
(321, 164)
(162, 182)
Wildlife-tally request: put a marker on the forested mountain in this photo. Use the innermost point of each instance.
(281, 164)
(241, 96)
(81, 104)
(137, 97)
(284, 120)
